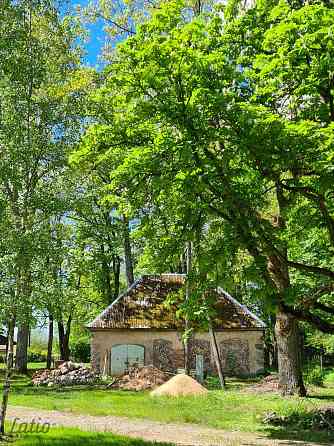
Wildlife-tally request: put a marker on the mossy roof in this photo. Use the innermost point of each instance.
(143, 306)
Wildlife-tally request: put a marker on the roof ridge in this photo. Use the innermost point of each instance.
(243, 307)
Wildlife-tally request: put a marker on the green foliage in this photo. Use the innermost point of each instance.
(37, 354)
(236, 160)
(212, 383)
(80, 350)
(314, 374)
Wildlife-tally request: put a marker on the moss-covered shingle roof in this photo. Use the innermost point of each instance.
(143, 306)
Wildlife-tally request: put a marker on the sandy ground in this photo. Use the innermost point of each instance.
(177, 434)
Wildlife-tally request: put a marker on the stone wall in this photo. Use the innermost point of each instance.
(242, 350)
(163, 355)
(234, 355)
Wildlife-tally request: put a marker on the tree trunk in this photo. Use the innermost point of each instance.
(286, 334)
(21, 363)
(128, 252)
(217, 358)
(50, 343)
(7, 381)
(289, 358)
(117, 273)
(274, 354)
(186, 341)
(107, 287)
(64, 338)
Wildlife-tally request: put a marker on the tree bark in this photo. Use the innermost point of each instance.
(50, 342)
(217, 358)
(7, 381)
(117, 273)
(274, 353)
(107, 287)
(128, 252)
(289, 355)
(21, 362)
(186, 340)
(64, 337)
(286, 334)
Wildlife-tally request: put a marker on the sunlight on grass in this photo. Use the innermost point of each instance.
(235, 409)
(75, 437)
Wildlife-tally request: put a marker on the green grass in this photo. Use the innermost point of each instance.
(31, 366)
(230, 410)
(75, 437)
(234, 409)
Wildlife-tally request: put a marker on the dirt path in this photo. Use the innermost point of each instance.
(178, 434)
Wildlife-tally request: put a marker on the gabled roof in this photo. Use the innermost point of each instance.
(143, 306)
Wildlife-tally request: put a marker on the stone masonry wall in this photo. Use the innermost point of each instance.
(242, 351)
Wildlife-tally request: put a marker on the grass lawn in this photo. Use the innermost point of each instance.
(32, 365)
(75, 437)
(234, 409)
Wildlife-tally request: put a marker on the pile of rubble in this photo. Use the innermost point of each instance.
(266, 385)
(67, 374)
(143, 378)
(319, 418)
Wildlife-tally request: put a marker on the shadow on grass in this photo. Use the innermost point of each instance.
(41, 390)
(293, 436)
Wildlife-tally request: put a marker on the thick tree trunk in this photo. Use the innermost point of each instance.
(289, 355)
(21, 362)
(7, 381)
(286, 334)
(273, 351)
(217, 357)
(64, 337)
(50, 343)
(128, 252)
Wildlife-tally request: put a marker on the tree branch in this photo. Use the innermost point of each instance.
(318, 322)
(311, 268)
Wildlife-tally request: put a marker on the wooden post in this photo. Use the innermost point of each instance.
(217, 357)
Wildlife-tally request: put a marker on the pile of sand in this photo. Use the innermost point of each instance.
(180, 385)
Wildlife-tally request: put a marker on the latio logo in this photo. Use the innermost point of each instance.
(32, 427)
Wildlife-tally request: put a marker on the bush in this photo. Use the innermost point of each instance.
(37, 354)
(212, 383)
(314, 375)
(80, 350)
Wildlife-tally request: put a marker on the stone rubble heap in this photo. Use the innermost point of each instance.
(268, 384)
(67, 374)
(143, 378)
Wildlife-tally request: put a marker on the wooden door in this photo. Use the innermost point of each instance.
(124, 356)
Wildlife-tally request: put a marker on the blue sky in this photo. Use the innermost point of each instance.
(96, 37)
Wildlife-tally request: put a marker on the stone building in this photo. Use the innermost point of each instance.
(139, 328)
